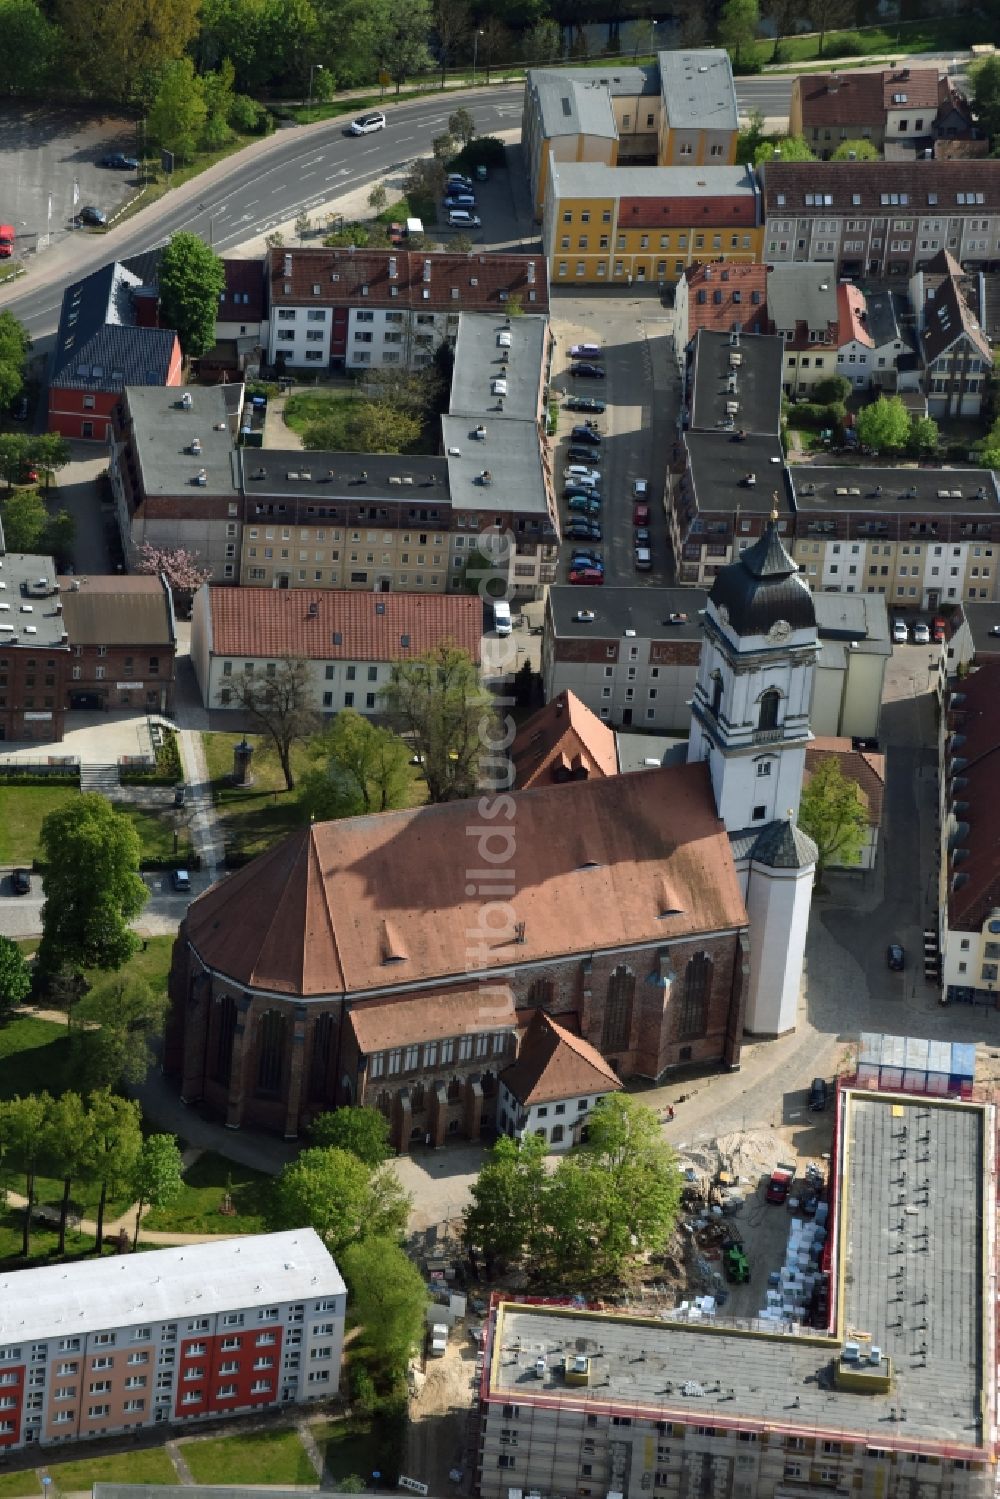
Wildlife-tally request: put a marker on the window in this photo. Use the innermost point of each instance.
(618, 1010)
(764, 767)
(767, 714)
(694, 1001)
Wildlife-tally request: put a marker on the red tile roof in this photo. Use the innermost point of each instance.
(244, 280)
(348, 625)
(850, 315)
(858, 99)
(865, 768)
(342, 275)
(720, 310)
(432, 1016)
(722, 210)
(626, 860)
(553, 1063)
(564, 741)
(914, 185)
(974, 714)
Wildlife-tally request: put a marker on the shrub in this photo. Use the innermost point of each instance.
(482, 151)
(247, 115)
(748, 65)
(845, 44)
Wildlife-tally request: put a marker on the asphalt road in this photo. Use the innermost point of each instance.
(21, 915)
(302, 170)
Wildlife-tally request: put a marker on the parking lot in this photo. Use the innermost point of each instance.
(640, 390)
(45, 151)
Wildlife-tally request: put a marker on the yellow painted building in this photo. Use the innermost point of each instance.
(603, 224)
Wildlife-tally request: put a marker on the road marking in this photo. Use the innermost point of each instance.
(252, 204)
(402, 138)
(304, 175)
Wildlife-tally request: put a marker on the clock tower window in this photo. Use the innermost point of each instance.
(768, 711)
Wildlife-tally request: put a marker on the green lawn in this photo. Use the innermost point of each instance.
(275, 1457)
(347, 1447)
(307, 406)
(206, 1182)
(22, 809)
(936, 32)
(255, 818)
(137, 1465)
(24, 1485)
(44, 1237)
(34, 1054)
(156, 832)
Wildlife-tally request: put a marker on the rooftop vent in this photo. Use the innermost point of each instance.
(196, 445)
(201, 478)
(187, 401)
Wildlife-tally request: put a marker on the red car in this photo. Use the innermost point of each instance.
(640, 515)
(586, 575)
(939, 631)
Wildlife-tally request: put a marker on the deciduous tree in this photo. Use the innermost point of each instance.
(68, 1146)
(543, 42)
(378, 198)
(92, 886)
(366, 768)
(985, 79)
(115, 1028)
(192, 278)
(181, 568)
(825, 14)
(782, 148)
(15, 345)
(388, 1298)
(859, 150)
(884, 424)
(158, 1176)
(15, 976)
(451, 28)
(496, 44)
(439, 702)
(363, 1132)
(833, 814)
(924, 436)
(399, 43)
(462, 125)
(23, 1123)
(114, 1142)
(281, 704)
(379, 427)
(504, 1221)
(29, 47)
(784, 15)
(114, 45)
(738, 27)
(339, 1196)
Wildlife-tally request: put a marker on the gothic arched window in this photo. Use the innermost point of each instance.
(694, 998)
(618, 1010)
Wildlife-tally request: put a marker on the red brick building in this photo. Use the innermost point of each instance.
(721, 297)
(122, 641)
(372, 960)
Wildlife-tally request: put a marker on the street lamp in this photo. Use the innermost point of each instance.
(475, 55)
(314, 67)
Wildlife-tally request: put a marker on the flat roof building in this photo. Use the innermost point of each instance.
(905, 1373)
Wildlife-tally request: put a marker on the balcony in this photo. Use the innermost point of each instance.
(768, 736)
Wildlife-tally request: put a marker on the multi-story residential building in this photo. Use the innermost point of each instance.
(172, 462)
(896, 105)
(201, 1332)
(355, 309)
(107, 339)
(956, 353)
(582, 1401)
(722, 298)
(351, 640)
(699, 114)
(802, 310)
(123, 642)
(973, 634)
(34, 649)
(731, 468)
(616, 225)
(882, 218)
(681, 111)
(877, 344)
(969, 864)
(922, 537)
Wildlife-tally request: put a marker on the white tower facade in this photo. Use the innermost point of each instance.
(750, 721)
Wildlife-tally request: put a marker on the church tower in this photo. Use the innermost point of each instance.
(750, 721)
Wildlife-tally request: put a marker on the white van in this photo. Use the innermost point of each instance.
(502, 622)
(460, 218)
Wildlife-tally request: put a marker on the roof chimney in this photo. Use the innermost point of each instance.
(560, 705)
(833, 84)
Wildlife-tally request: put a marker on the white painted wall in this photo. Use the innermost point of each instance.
(778, 906)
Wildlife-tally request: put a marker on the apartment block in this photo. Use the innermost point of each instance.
(894, 108)
(615, 225)
(589, 1402)
(882, 218)
(720, 297)
(111, 1346)
(356, 309)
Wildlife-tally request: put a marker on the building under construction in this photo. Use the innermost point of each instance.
(896, 1398)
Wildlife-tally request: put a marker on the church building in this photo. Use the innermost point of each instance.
(655, 916)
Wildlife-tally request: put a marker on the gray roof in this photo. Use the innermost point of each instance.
(29, 602)
(718, 463)
(698, 90)
(909, 1172)
(983, 620)
(747, 372)
(883, 311)
(572, 105)
(355, 477)
(509, 454)
(164, 430)
(581, 179)
(782, 845)
(484, 339)
(893, 492)
(802, 292)
(645, 610)
(636, 751)
(98, 346)
(851, 622)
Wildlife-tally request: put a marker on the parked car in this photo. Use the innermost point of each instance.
(582, 473)
(120, 163)
(640, 489)
(21, 881)
(583, 454)
(586, 504)
(586, 403)
(587, 371)
(641, 536)
(586, 557)
(92, 215)
(643, 560)
(640, 515)
(577, 491)
(461, 218)
(817, 1094)
(895, 957)
(459, 198)
(181, 879)
(921, 633)
(780, 1180)
(900, 633)
(482, 173)
(455, 179)
(365, 124)
(586, 434)
(590, 575)
(585, 351)
(939, 630)
(584, 530)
